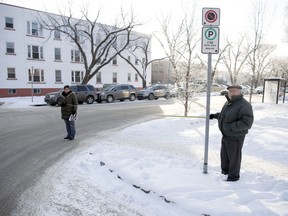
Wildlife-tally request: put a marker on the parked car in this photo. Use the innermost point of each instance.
(259, 90)
(117, 92)
(154, 92)
(84, 93)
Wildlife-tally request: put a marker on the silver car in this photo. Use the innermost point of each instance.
(154, 92)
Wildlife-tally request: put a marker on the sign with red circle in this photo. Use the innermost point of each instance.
(210, 16)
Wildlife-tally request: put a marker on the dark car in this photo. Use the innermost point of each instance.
(154, 92)
(117, 92)
(84, 93)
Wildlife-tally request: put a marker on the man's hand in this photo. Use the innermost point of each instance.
(212, 116)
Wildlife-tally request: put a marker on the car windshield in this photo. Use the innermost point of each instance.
(110, 88)
(148, 88)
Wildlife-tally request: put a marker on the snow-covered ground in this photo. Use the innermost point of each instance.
(156, 168)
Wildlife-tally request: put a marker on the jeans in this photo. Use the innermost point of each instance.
(70, 128)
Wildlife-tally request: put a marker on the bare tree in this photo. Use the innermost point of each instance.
(179, 46)
(279, 67)
(98, 43)
(144, 46)
(218, 60)
(234, 58)
(256, 58)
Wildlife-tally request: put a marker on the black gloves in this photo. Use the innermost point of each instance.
(214, 116)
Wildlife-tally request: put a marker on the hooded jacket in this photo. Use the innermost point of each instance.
(68, 103)
(236, 117)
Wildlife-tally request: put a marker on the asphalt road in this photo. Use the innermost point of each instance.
(31, 139)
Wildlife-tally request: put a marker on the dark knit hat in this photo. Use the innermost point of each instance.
(66, 86)
(234, 86)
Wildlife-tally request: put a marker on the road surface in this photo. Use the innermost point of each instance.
(32, 139)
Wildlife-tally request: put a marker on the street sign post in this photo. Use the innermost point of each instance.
(210, 45)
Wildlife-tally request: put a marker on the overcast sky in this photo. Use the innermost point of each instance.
(234, 15)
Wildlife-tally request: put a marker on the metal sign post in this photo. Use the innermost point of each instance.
(210, 45)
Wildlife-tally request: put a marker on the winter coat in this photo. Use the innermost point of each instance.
(68, 103)
(236, 117)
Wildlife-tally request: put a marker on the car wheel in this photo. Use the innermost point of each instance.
(150, 97)
(132, 97)
(110, 99)
(52, 104)
(90, 100)
(167, 96)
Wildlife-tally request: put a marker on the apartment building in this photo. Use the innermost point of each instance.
(38, 60)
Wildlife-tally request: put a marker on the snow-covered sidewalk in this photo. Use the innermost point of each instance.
(155, 168)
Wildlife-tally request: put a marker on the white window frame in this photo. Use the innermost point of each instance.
(57, 54)
(34, 29)
(58, 76)
(11, 73)
(114, 77)
(32, 52)
(57, 35)
(129, 77)
(10, 48)
(114, 61)
(38, 75)
(77, 76)
(99, 77)
(76, 56)
(8, 24)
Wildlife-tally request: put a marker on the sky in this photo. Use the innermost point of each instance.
(235, 16)
(109, 172)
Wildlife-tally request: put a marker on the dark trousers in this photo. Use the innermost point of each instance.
(231, 155)
(70, 128)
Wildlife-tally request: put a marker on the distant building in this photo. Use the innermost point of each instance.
(161, 71)
(31, 55)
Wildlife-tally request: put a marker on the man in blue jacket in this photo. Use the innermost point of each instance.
(234, 121)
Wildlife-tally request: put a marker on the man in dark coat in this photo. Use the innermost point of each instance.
(68, 102)
(234, 121)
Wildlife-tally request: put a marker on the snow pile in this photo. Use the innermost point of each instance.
(155, 168)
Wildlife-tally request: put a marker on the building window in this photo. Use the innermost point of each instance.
(136, 61)
(114, 78)
(36, 91)
(129, 77)
(98, 77)
(35, 29)
(11, 74)
(129, 58)
(57, 35)
(136, 77)
(77, 76)
(9, 23)
(35, 52)
(57, 54)
(10, 48)
(76, 56)
(12, 91)
(114, 61)
(37, 76)
(58, 77)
